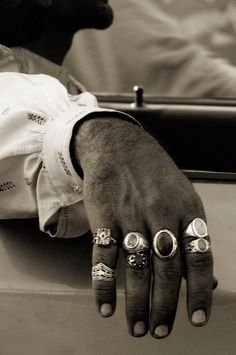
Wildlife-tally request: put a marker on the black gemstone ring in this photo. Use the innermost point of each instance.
(165, 244)
(138, 260)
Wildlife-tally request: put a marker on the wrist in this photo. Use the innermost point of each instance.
(98, 138)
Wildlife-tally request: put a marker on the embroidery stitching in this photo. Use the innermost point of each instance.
(7, 186)
(43, 165)
(36, 118)
(63, 163)
(28, 181)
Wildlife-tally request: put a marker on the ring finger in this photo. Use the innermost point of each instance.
(138, 275)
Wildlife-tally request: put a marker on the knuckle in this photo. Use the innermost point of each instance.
(199, 299)
(103, 288)
(158, 202)
(105, 259)
(163, 308)
(136, 311)
(135, 275)
(105, 296)
(200, 283)
(166, 293)
(105, 256)
(164, 311)
(171, 267)
(193, 203)
(170, 276)
(200, 261)
(137, 293)
(169, 272)
(136, 308)
(153, 202)
(201, 296)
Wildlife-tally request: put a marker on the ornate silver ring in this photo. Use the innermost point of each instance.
(199, 245)
(102, 272)
(165, 244)
(139, 260)
(135, 242)
(197, 229)
(103, 237)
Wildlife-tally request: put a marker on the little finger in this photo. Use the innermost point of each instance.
(104, 261)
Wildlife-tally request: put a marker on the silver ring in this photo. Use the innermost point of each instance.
(165, 248)
(197, 228)
(102, 272)
(103, 237)
(135, 242)
(197, 246)
(139, 260)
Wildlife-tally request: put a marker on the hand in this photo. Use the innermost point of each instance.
(130, 184)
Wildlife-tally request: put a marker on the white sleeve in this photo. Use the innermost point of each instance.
(37, 177)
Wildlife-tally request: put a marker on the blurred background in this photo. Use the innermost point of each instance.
(123, 55)
(211, 22)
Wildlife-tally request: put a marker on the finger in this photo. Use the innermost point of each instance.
(138, 275)
(214, 281)
(104, 261)
(199, 271)
(199, 287)
(166, 283)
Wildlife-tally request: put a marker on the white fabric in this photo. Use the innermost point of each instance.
(21, 60)
(37, 178)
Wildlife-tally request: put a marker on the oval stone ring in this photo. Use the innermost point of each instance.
(165, 244)
(197, 229)
(135, 242)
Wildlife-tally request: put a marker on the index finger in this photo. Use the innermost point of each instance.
(199, 271)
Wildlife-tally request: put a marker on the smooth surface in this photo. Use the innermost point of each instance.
(47, 307)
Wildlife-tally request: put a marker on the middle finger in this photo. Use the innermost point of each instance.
(166, 282)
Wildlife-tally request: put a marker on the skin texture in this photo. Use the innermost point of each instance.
(133, 185)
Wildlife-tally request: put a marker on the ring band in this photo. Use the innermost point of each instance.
(165, 244)
(197, 246)
(103, 237)
(197, 228)
(135, 242)
(139, 260)
(102, 272)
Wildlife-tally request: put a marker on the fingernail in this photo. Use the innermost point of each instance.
(139, 328)
(106, 309)
(161, 331)
(198, 317)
